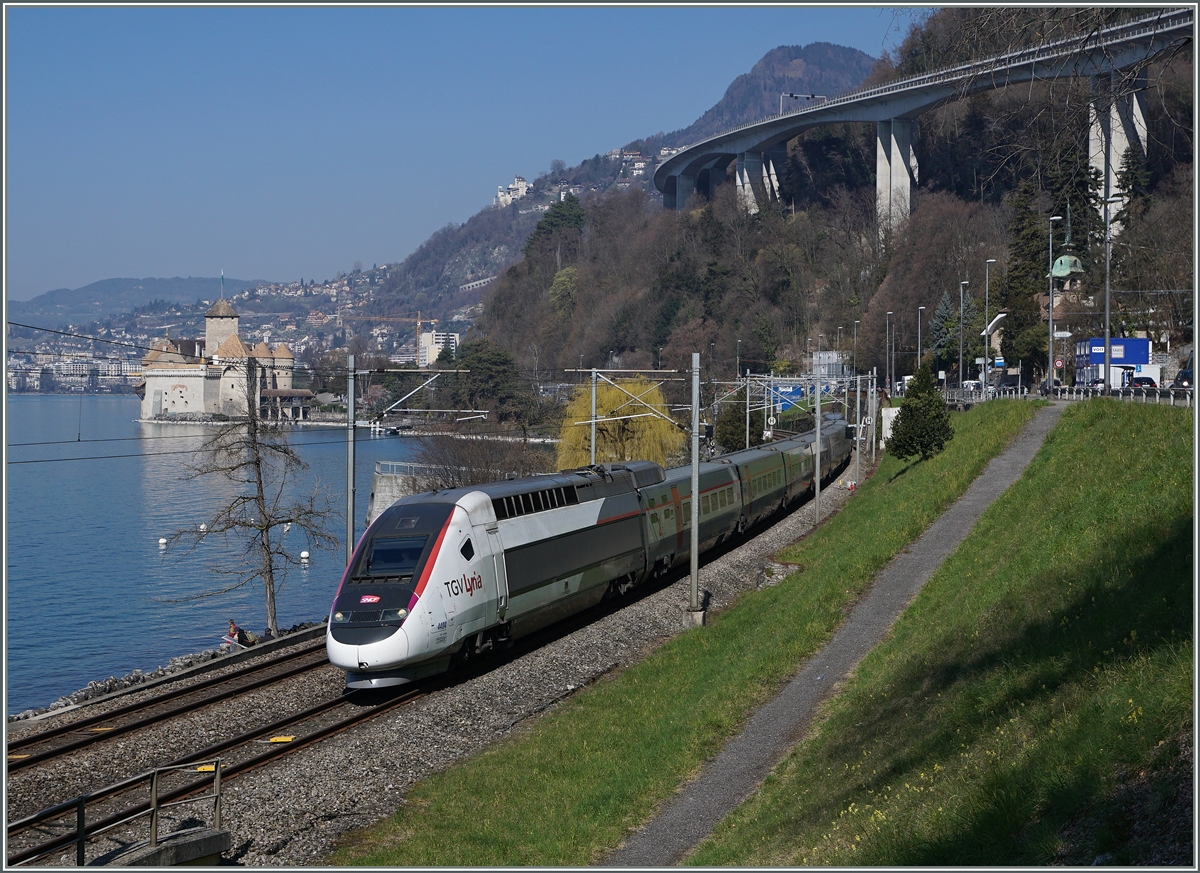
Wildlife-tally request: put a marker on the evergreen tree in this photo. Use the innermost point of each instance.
(943, 326)
(1024, 336)
(923, 425)
(731, 424)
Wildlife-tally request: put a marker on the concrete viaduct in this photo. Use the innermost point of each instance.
(1118, 116)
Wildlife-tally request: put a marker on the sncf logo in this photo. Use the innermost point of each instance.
(369, 598)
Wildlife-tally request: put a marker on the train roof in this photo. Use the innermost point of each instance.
(595, 482)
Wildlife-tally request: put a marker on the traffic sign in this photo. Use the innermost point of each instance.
(771, 420)
(1058, 363)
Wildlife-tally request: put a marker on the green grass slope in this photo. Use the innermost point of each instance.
(568, 789)
(1050, 654)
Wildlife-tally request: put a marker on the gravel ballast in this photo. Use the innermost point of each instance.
(291, 812)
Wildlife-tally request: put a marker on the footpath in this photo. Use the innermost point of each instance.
(748, 758)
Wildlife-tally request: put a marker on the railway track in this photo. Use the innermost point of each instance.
(46, 745)
(56, 828)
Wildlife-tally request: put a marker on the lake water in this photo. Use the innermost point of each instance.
(89, 491)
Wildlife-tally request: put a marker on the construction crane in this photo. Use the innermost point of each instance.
(419, 320)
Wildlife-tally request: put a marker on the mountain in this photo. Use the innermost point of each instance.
(111, 296)
(818, 68)
(491, 240)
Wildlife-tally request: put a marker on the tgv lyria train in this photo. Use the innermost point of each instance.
(449, 575)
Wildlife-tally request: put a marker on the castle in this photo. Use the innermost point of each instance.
(181, 377)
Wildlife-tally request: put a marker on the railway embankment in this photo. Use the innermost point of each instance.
(573, 787)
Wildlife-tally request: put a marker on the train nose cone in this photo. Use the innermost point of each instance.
(385, 653)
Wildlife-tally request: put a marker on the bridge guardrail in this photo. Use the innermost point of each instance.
(1068, 45)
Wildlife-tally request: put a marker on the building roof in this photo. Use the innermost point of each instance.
(282, 351)
(161, 348)
(262, 350)
(221, 309)
(233, 348)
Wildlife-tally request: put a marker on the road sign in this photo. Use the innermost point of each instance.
(1062, 334)
(771, 420)
(1058, 363)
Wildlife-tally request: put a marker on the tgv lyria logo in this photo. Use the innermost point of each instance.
(465, 585)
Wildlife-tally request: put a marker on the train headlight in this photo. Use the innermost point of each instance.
(341, 616)
(395, 614)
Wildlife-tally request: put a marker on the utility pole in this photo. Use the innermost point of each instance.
(961, 286)
(593, 458)
(1050, 345)
(350, 431)
(817, 474)
(695, 613)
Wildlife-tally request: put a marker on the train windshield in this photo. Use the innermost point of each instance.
(392, 556)
(399, 544)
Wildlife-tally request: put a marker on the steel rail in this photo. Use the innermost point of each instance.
(255, 666)
(227, 771)
(155, 718)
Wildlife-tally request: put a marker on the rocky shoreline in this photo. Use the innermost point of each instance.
(103, 687)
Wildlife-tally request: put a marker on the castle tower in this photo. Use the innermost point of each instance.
(285, 366)
(220, 323)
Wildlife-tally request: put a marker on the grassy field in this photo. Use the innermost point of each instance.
(566, 790)
(1051, 653)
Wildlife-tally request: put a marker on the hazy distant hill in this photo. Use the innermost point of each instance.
(111, 296)
(481, 247)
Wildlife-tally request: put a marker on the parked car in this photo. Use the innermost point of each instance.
(1183, 379)
(1142, 382)
(972, 385)
(1096, 383)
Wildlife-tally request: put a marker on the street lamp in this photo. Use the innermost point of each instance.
(1115, 198)
(920, 309)
(839, 351)
(1050, 276)
(887, 350)
(987, 342)
(737, 366)
(961, 286)
(855, 359)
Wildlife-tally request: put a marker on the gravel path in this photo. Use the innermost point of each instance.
(291, 812)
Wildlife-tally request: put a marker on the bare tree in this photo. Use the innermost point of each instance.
(457, 460)
(256, 457)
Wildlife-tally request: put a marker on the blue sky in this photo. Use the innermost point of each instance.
(287, 143)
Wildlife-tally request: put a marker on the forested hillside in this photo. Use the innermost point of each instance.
(617, 281)
(428, 280)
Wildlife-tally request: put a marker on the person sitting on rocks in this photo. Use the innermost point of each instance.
(239, 637)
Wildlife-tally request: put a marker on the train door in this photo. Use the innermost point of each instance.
(497, 550)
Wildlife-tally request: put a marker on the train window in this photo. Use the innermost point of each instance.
(467, 550)
(704, 505)
(526, 503)
(723, 498)
(394, 556)
(498, 507)
(539, 503)
(687, 513)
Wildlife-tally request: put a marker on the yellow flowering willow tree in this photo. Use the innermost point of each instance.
(646, 438)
